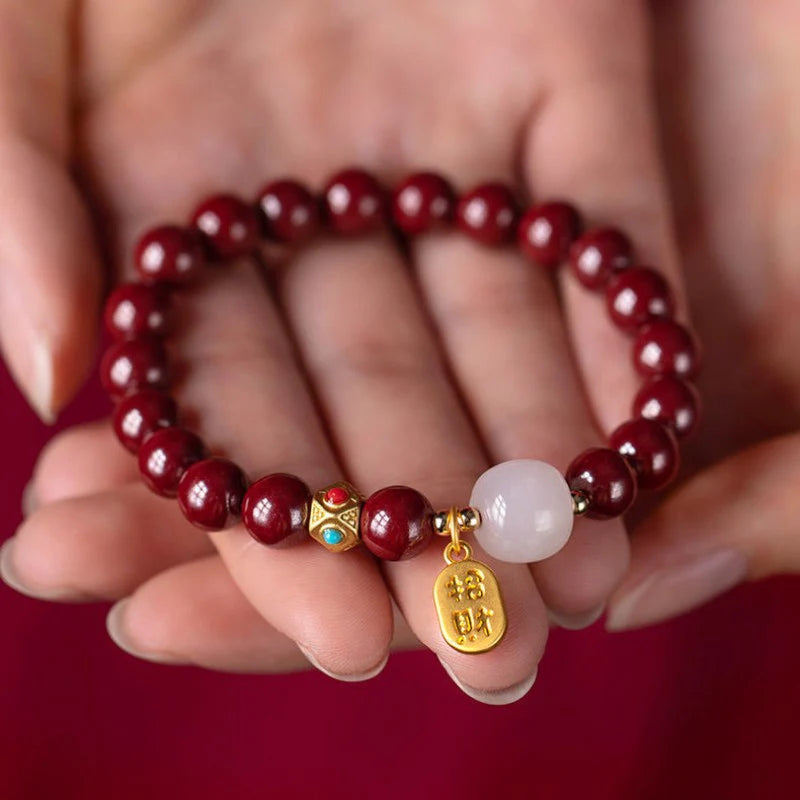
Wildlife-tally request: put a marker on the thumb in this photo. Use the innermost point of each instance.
(49, 269)
(737, 520)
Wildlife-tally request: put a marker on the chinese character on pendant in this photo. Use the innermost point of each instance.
(484, 621)
(463, 621)
(456, 587)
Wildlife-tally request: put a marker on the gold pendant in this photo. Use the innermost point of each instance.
(468, 599)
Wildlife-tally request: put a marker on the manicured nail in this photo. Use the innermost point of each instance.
(41, 391)
(675, 589)
(29, 501)
(575, 622)
(499, 697)
(115, 625)
(348, 678)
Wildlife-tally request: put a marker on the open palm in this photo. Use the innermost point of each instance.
(355, 359)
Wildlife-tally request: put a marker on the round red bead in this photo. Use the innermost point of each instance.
(289, 212)
(229, 225)
(164, 457)
(670, 401)
(488, 213)
(211, 492)
(355, 202)
(422, 202)
(276, 507)
(336, 496)
(650, 448)
(638, 295)
(138, 415)
(598, 254)
(135, 309)
(606, 478)
(168, 253)
(396, 523)
(546, 232)
(664, 347)
(132, 365)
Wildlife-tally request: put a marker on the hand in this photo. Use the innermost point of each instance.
(425, 371)
(732, 111)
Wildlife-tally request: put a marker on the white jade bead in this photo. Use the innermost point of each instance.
(526, 511)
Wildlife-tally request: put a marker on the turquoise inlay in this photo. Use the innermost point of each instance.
(332, 536)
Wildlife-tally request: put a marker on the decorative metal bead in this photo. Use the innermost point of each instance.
(468, 520)
(335, 517)
(580, 503)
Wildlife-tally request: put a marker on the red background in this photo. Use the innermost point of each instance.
(705, 707)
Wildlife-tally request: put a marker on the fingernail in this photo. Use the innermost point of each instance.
(348, 678)
(575, 622)
(115, 625)
(673, 590)
(499, 697)
(29, 500)
(41, 390)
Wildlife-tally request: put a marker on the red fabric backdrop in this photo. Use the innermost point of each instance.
(705, 707)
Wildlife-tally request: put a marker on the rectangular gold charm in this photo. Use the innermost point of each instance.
(469, 606)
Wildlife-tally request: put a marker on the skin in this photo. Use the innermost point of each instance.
(534, 96)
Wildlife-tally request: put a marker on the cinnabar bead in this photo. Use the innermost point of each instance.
(136, 309)
(354, 203)
(275, 507)
(664, 347)
(546, 232)
(396, 523)
(229, 226)
(134, 364)
(422, 202)
(638, 295)
(169, 253)
(650, 448)
(164, 457)
(211, 492)
(606, 478)
(289, 212)
(596, 255)
(670, 401)
(488, 213)
(142, 413)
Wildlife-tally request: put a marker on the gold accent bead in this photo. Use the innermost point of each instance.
(440, 523)
(335, 525)
(469, 519)
(580, 503)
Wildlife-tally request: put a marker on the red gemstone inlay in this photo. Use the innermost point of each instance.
(336, 496)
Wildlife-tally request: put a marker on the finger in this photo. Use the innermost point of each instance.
(98, 547)
(594, 142)
(244, 387)
(397, 420)
(83, 460)
(195, 614)
(50, 273)
(712, 534)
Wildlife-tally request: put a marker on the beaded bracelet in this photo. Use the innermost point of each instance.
(520, 511)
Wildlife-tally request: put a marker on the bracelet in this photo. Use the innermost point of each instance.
(520, 511)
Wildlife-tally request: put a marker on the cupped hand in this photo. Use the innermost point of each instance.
(353, 360)
(732, 127)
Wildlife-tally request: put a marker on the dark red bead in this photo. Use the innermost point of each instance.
(169, 253)
(650, 448)
(134, 364)
(598, 254)
(275, 507)
(423, 201)
(606, 478)
(164, 457)
(135, 309)
(488, 213)
(396, 523)
(211, 492)
(355, 203)
(546, 232)
(289, 212)
(138, 415)
(229, 225)
(664, 347)
(670, 401)
(638, 295)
